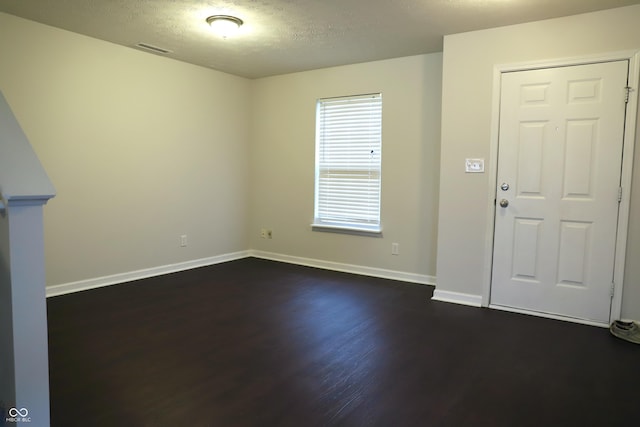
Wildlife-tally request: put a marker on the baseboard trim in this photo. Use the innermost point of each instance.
(115, 279)
(99, 282)
(457, 298)
(422, 279)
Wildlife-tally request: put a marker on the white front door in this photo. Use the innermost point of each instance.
(559, 165)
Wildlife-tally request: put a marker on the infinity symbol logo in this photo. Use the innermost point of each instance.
(23, 412)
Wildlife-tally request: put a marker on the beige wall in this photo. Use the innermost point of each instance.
(631, 292)
(282, 163)
(141, 149)
(468, 65)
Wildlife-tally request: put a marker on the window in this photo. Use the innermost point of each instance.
(348, 163)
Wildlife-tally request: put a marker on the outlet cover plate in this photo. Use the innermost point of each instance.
(474, 165)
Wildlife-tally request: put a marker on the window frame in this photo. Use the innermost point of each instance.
(360, 226)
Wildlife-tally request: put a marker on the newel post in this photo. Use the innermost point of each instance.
(24, 361)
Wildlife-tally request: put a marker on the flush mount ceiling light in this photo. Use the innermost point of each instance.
(225, 25)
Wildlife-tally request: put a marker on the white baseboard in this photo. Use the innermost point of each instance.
(438, 295)
(457, 298)
(115, 279)
(347, 268)
(99, 282)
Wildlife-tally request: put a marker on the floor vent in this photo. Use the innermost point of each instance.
(151, 48)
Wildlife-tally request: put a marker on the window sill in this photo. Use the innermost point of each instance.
(345, 229)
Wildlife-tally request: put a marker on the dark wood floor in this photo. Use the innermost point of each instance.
(261, 343)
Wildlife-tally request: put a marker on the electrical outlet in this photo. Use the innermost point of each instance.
(183, 240)
(263, 233)
(395, 249)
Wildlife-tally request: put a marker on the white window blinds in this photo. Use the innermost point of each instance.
(348, 162)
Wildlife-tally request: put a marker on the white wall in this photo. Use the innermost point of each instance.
(282, 163)
(468, 64)
(140, 148)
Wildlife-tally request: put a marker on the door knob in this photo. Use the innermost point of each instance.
(504, 203)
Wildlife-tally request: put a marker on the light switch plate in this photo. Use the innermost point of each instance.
(474, 165)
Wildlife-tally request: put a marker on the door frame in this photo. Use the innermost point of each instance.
(633, 56)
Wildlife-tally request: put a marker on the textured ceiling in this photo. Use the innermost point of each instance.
(284, 36)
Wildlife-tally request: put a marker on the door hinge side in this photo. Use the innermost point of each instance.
(627, 93)
(619, 194)
(613, 288)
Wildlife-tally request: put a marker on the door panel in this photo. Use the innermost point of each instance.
(525, 248)
(531, 143)
(573, 253)
(581, 143)
(560, 151)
